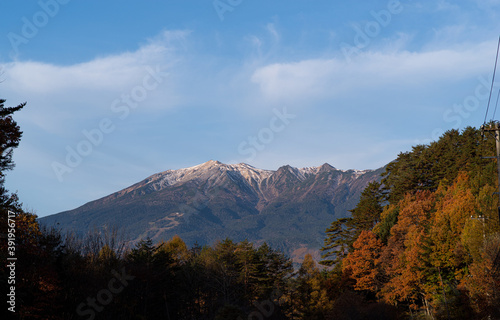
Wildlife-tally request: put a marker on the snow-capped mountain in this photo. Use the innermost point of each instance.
(207, 171)
(289, 208)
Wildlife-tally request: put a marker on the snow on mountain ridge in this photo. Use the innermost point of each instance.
(206, 170)
(307, 171)
(357, 172)
(251, 173)
(253, 176)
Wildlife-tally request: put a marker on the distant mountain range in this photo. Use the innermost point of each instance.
(289, 208)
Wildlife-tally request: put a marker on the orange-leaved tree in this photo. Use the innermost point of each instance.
(364, 262)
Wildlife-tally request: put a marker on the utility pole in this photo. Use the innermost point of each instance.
(482, 218)
(495, 127)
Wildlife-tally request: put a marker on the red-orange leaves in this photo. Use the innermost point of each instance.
(455, 206)
(404, 258)
(364, 261)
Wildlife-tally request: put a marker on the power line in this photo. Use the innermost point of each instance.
(492, 82)
(496, 105)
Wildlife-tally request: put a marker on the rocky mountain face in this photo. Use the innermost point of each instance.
(289, 208)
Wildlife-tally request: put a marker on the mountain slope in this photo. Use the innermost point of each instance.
(289, 208)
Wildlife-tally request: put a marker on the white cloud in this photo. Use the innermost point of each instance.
(103, 73)
(327, 78)
(59, 96)
(273, 32)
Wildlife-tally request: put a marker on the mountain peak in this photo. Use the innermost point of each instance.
(326, 167)
(210, 163)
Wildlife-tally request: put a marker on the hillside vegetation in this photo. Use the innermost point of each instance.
(427, 238)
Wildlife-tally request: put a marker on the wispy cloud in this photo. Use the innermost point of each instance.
(315, 79)
(59, 94)
(103, 73)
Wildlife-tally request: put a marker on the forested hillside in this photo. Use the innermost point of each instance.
(427, 238)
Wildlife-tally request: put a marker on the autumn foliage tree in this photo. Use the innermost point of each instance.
(364, 262)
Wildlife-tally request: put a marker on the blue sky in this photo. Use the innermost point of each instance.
(119, 90)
